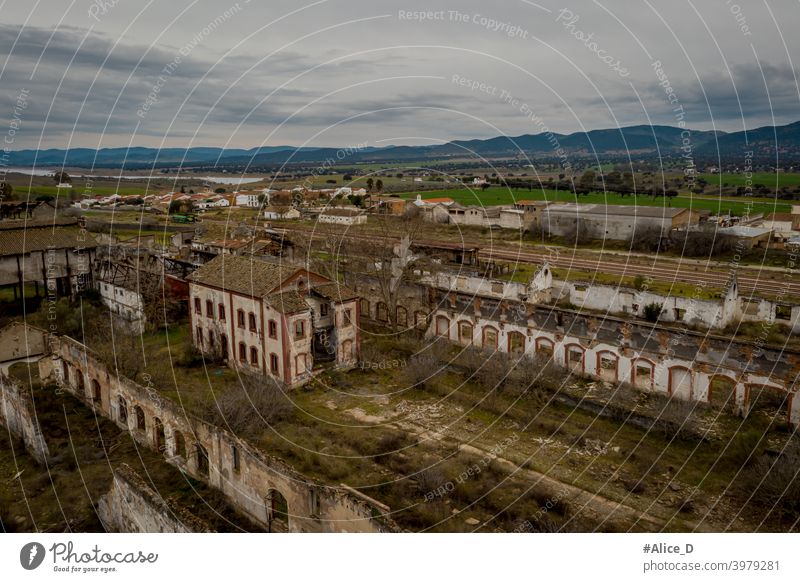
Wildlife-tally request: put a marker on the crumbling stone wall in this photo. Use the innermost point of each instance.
(411, 297)
(259, 485)
(132, 506)
(18, 415)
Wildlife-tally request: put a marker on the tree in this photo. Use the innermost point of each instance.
(219, 191)
(347, 177)
(652, 311)
(62, 178)
(179, 207)
(183, 189)
(390, 266)
(6, 190)
(648, 239)
(379, 185)
(698, 243)
(587, 180)
(370, 184)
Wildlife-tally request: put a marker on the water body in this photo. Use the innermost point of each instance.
(232, 179)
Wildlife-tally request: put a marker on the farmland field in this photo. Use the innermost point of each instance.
(767, 179)
(497, 196)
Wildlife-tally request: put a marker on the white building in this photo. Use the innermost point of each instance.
(281, 213)
(248, 199)
(346, 216)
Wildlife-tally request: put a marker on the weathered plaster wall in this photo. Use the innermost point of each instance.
(18, 415)
(251, 479)
(681, 362)
(132, 506)
(20, 342)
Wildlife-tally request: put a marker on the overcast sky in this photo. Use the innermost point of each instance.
(112, 73)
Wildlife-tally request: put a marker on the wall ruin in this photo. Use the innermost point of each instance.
(263, 487)
(132, 506)
(678, 362)
(18, 415)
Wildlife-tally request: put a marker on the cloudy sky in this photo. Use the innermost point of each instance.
(111, 73)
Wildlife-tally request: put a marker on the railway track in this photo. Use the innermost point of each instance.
(770, 283)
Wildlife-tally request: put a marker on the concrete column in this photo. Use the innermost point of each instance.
(741, 406)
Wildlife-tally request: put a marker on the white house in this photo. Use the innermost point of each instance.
(249, 199)
(347, 216)
(348, 191)
(433, 201)
(281, 213)
(202, 202)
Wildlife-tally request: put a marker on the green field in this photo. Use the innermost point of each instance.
(767, 179)
(498, 196)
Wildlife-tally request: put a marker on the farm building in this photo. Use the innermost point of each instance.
(605, 221)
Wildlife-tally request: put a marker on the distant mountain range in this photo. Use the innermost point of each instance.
(638, 141)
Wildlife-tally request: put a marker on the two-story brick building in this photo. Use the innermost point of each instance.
(271, 318)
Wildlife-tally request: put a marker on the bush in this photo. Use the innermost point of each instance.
(249, 407)
(677, 418)
(744, 447)
(648, 239)
(421, 371)
(652, 311)
(699, 243)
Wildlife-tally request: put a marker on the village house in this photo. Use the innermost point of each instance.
(281, 213)
(206, 201)
(345, 216)
(444, 201)
(247, 199)
(271, 319)
(386, 205)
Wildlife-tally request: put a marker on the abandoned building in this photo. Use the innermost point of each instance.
(681, 363)
(256, 484)
(271, 319)
(123, 289)
(20, 342)
(56, 257)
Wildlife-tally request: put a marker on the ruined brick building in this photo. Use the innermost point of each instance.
(272, 319)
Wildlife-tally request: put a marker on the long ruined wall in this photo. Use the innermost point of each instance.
(132, 506)
(18, 415)
(680, 362)
(263, 487)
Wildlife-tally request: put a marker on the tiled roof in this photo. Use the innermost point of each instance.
(241, 275)
(335, 292)
(288, 302)
(437, 200)
(18, 242)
